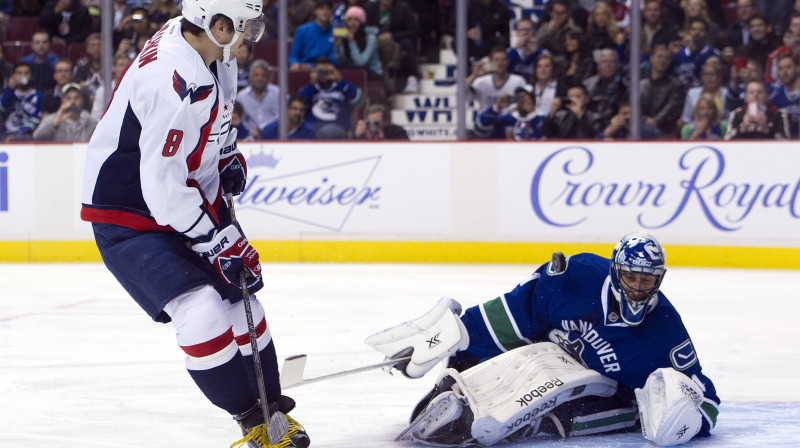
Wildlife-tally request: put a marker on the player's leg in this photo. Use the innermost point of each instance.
(269, 368)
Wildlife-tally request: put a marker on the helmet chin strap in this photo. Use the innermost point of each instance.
(226, 48)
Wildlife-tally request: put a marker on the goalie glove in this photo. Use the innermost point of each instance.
(669, 407)
(428, 339)
(231, 254)
(232, 166)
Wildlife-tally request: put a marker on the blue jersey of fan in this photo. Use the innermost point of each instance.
(577, 309)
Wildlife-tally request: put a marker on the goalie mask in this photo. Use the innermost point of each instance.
(248, 21)
(637, 269)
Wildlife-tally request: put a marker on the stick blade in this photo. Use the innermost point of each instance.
(292, 371)
(277, 427)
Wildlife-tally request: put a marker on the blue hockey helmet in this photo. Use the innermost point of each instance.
(637, 269)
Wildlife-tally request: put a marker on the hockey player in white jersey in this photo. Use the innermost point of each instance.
(157, 169)
(585, 345)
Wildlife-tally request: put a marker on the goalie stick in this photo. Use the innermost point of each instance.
(277, 424)
(293, 367)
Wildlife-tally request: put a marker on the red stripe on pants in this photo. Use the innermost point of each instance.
(244, 339)
(210, 347)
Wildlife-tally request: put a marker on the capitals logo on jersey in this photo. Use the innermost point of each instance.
(195, 94)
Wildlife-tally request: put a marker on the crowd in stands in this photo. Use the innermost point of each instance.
(709, 69)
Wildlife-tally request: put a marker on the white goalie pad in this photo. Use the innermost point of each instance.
(669, 407)
(429, 339)
(512, 392)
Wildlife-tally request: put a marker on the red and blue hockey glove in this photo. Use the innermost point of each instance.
(232, 166)
(230, 253)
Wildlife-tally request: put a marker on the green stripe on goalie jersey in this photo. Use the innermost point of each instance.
(604, 422)
(499, 323)
(710, 410)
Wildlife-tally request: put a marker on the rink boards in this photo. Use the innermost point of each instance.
(717, 204)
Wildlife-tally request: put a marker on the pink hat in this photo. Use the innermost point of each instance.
(357, 12)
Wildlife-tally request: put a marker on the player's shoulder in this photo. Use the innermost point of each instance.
(580, 271)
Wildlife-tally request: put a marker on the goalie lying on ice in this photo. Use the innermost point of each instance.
(586, 345)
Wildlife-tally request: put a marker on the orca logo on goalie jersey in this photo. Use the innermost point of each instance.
(195, 94)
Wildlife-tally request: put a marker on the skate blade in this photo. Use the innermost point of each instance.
(442, 410)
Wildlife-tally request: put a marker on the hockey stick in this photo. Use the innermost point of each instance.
(277, 424)
(293, 367)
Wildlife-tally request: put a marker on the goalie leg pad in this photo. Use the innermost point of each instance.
(669, 407)
(429, 339)
(517, 389)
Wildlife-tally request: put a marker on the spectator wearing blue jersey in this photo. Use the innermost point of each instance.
(42, 61)
(787, 97)
(20, 105)
(331, 100)
(511, 118)
(522, 56)
(694, 54)
(297, 128)
(313, 39)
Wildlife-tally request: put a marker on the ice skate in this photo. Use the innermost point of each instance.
(255, 431)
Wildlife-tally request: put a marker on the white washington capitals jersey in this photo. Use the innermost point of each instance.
(152, 163)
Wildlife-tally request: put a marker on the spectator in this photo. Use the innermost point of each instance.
(297, 127)
(67, 21)
(6, 68)
(127, 34)
(237, 122)
(20, 104)
(551, 33)
(655, 28)
(359, 47)
(578, 64)
(750, 71)
(398, 34)
(99, 105)
(89, 69)
(738, 33)
(694, 54)
(608, 87)
(313, 39)
(698, 9)
(161, 11)
(711, 79)
(621, 13)
(377, 125)
(42, 61)
(121, 10)
(243, 63)
(762, 41)
(569, 117)
(511, 118)
(490, 79)
(787, 96)
(51, 99)
(619, 127)
(776, 12)
(300, 12)
(791, 45)
(487, 27)
(661, 94)
(331, 100)
(705, 123)
(756, 120)
(71, 122)
(545, 84)
(429, 17)
(260, 100)
(602, 29)
(522, 57)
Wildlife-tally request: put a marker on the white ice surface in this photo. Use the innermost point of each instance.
(82, 366)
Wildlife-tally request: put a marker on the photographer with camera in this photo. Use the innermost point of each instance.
(71, 123)
(620, 126)
(520, 120)
(490, 79)
(376, 126)
(331, 100)
(757, 119)
(569, 117)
